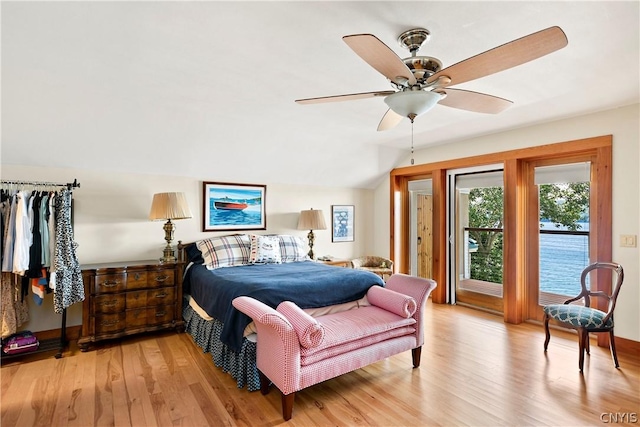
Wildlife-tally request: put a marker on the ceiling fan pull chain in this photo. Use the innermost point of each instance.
(411, 140)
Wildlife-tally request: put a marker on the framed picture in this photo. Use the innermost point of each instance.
(233, 206)
(342, 218)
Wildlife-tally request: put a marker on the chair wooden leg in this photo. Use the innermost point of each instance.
(287, 405)
(587, 344)
(612, 345)
(547, 335)
(415, 356)
(264, 383)
(583, 335)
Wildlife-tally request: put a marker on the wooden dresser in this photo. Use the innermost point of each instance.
(128, 298)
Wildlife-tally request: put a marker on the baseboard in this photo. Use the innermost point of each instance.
(627, 346)
(73, 333)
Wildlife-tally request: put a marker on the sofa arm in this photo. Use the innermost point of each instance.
(278, 348)
(418, 288)
(309, 331)
(395, 302)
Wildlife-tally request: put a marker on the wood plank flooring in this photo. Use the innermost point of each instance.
(476, 371)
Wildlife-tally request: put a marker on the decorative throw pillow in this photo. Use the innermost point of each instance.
(225, 251)
(292, 248)
(265, 250)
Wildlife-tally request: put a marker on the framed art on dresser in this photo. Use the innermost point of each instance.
(342, 221)
(229, 206)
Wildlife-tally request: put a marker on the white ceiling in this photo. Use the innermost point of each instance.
(207, 89)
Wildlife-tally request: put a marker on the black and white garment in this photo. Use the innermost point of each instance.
(69, 288)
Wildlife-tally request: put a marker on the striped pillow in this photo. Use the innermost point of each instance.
(225, 251)
(292, 248)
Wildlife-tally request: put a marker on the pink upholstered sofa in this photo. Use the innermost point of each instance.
(295, 350)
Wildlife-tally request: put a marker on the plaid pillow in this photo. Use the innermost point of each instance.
(225, 251)
(265, 250)
(292, 248)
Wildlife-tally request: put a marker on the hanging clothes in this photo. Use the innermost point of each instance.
(36, 238)
(69, 288)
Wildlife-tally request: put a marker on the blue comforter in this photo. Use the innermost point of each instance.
(308, 284)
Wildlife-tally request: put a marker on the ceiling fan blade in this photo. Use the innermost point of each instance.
(473, 101)
(380, 57)
(348, 97)
(389, 120)
(503, 57)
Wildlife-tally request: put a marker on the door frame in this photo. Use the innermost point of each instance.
(517, 198)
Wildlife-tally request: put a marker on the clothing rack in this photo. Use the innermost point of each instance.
(69, 185)
(45, 345)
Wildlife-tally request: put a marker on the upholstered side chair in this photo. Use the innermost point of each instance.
(584, 318)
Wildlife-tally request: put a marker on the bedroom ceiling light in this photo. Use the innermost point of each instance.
(169, 206)
(412, 102)
(311, 220)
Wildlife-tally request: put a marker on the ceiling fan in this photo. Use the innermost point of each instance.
(420, 82)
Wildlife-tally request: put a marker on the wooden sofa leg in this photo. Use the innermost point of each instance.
(415, 355)
(264, 383)
(287, 405)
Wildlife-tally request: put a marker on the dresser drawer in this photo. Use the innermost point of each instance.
(137, 280)
(136, 318)
(110, 283)
(159, 278)
(136, 299)
(160, 314)
(161, 296)
(109, 323)
(108, 303)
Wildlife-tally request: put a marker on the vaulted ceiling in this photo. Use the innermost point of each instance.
(207, 89)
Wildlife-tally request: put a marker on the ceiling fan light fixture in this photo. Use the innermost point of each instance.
(412, 102)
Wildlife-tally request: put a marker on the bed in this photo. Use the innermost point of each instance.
(271, 269)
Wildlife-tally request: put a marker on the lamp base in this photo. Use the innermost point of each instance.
(169, 253)
(311, 238)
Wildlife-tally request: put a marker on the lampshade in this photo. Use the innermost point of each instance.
(311, 220)
(412, 102)
(169, 206)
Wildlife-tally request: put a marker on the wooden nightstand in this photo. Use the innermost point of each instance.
(338, 262)
(128, 298)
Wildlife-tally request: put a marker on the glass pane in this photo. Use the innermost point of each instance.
(564, 240)
(480, 217)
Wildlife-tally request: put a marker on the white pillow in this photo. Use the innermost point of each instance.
(265, 250)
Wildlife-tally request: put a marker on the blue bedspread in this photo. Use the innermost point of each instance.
(308, 284)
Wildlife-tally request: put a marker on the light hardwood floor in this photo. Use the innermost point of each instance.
(476, 371)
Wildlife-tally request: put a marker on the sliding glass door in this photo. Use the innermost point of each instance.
(476, 219)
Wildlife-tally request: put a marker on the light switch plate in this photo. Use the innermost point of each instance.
(628, 240)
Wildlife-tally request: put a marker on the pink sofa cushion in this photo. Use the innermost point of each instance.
(356, 328)
(310, 332)
(392, 301)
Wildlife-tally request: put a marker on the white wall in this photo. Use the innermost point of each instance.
(624, 125)
(111, 219)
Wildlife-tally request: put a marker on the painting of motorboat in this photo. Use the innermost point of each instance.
(229, 206)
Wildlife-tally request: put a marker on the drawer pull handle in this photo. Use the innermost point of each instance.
(111, 303)
(110, 283)
(136, 276)
(109, 322)
(162, 278)
(162, 295)
(160, 313)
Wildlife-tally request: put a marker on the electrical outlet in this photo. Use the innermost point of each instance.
(628, 240)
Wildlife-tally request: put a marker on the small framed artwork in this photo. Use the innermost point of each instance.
(228, 206)
(342, 223)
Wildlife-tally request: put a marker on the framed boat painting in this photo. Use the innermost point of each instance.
(233, 206)
(342, 219)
